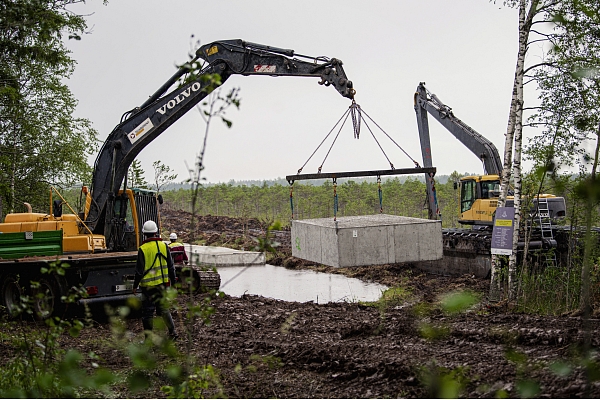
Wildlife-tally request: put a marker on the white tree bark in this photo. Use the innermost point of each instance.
(495, 283)
(514, 133)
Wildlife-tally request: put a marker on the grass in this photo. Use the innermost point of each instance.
(392, 297)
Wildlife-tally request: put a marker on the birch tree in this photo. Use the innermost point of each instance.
(567, 77)
(514, 135)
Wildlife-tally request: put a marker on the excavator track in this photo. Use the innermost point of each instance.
(468, 251)
(202, 280)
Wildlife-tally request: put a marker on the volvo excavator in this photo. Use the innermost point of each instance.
(478, 193)
(99, 244)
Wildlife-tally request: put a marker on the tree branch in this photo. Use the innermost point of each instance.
(545, 63)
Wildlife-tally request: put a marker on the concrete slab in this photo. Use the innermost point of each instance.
(367, 240)
(222, 256)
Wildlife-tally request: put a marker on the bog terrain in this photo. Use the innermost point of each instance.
(406, 346)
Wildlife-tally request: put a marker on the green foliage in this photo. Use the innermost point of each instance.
(391, 297)
(549, 291)
(162, 175)
(457, 302)
(41, 367)
(269, 361)
(266, 244)
(528, 389)
(272, 203)
(569, 83)
(432, 331)
(41, 142)
(442, 382)
(136, 176)
(204, 382)
(525, 385)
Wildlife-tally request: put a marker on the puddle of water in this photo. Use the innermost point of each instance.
(292, 285)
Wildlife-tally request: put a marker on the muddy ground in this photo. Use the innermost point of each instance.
(264, 348)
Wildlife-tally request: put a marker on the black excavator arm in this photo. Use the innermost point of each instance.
(426, 102)
(143, 124)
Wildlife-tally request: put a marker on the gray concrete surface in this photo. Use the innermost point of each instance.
(366, 240)
(222, 256)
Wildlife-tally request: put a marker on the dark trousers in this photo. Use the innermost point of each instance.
(152, 300)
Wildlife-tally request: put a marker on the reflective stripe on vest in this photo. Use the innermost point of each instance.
(155, 262)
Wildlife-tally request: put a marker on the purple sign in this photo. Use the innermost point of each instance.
(502, 234)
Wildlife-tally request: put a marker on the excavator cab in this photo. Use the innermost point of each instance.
(131, 208)
(478, 199)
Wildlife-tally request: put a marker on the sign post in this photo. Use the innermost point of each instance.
(502, 234)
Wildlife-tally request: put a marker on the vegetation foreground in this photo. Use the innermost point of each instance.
(428, 336)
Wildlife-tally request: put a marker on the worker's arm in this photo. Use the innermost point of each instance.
(140, 266)
(170, 267)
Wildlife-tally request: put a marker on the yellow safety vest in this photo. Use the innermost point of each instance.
(175, 244)
(155, 263)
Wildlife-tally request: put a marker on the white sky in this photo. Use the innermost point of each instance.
(465, 51)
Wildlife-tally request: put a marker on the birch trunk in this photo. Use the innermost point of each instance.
(526, 21)
(495, 282)
(512, 260)
(514, 133)
(13, 172)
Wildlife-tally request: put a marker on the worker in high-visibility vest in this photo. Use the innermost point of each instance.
(154, 272)
(177, 250)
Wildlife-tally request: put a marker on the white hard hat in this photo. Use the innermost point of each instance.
(149, 227)
(173, 236)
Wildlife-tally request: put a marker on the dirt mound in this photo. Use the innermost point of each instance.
(211, 230)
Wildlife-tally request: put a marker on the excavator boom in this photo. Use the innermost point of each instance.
(479, 194)
(163, 108)
(426, 102)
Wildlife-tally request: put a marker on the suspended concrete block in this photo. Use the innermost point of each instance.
(367, 240)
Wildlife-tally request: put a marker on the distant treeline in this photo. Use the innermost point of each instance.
(271, 202)
(317, 182)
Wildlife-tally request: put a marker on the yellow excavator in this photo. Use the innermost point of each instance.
(478, 193)
(100, 242)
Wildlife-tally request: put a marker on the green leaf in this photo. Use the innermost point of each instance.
(138, 381)
(103, 377)
(457, 302)
(141, 357)
(75, 330)
(515, 356)
(174, 372)
(528, 389)
(449, 388)
(561, 369)
(227, 122)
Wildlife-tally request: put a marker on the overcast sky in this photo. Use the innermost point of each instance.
(465, 51)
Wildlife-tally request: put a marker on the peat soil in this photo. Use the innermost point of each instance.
(265, 348)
